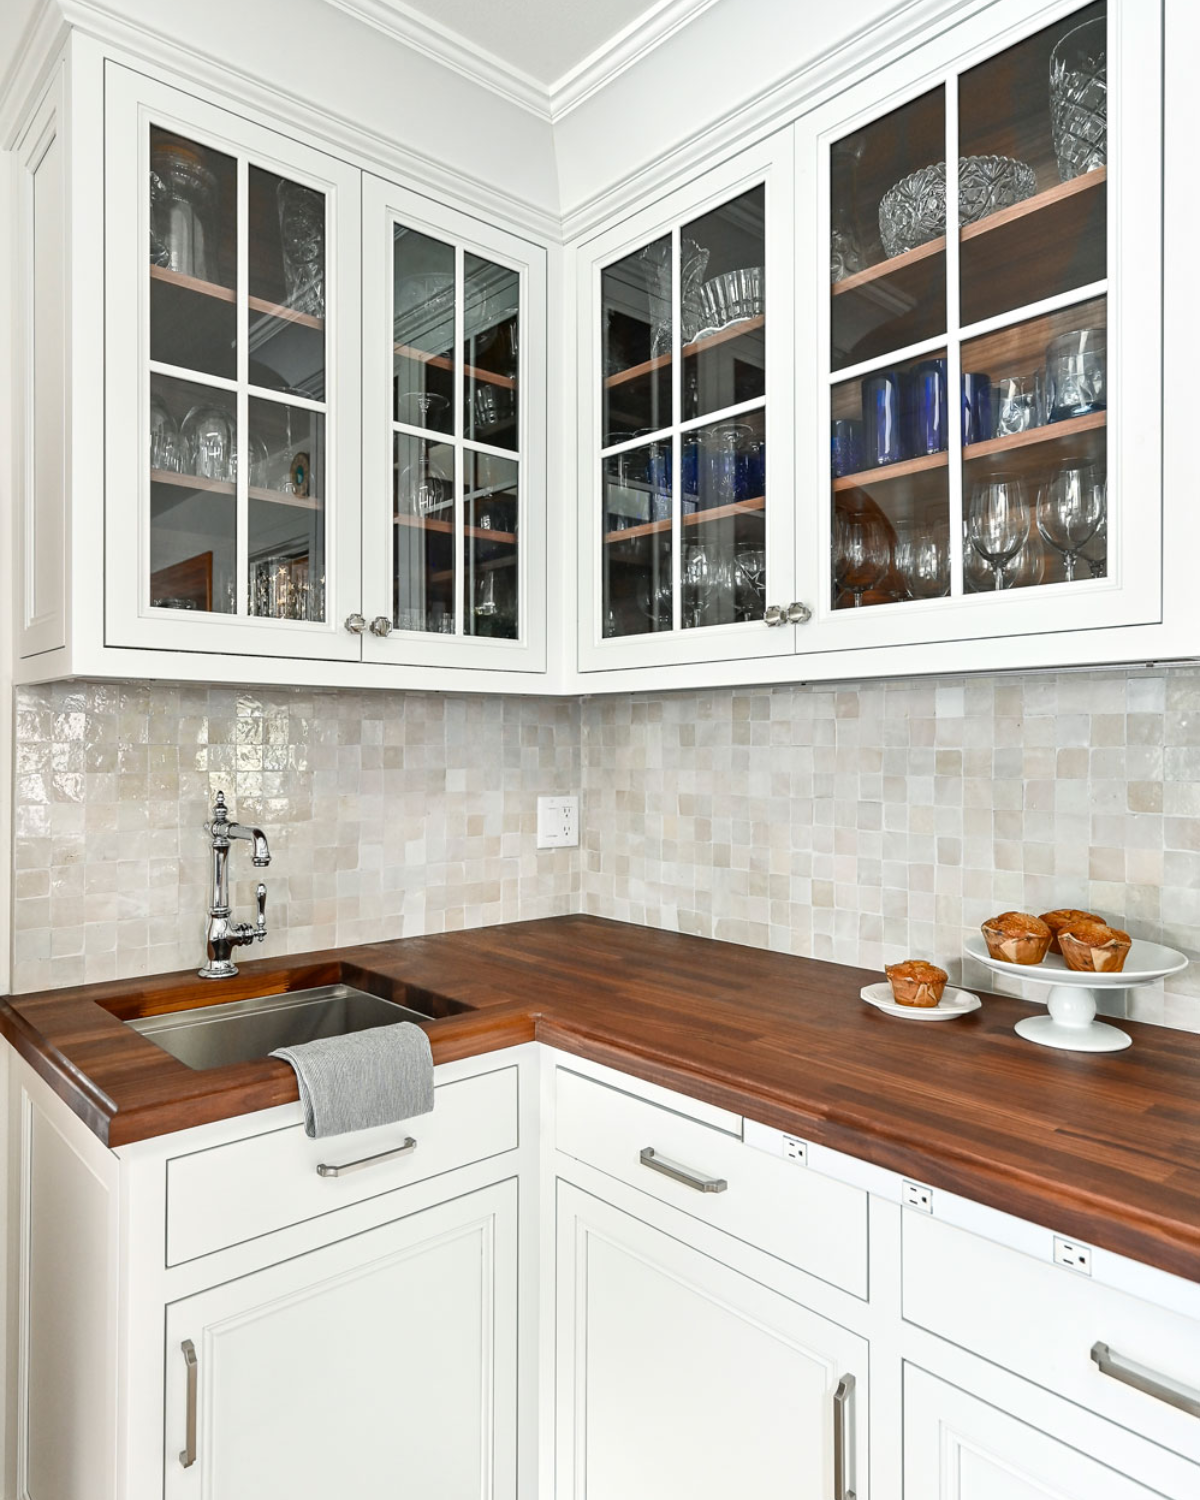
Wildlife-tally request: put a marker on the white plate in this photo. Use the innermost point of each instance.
(953, 1003)
(1143, 962)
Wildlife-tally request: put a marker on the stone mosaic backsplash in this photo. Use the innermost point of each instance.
(862, 823)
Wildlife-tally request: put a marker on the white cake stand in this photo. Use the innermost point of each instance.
(1072, 1023)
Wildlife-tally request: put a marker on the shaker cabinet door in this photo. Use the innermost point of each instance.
(677, 1375)
(382, 1365)
(232, 387)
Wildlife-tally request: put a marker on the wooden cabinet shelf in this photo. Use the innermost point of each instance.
(444, 362)
(698, 518)
(710, 341)
(446, 528)
(227, 294)
(198, 484)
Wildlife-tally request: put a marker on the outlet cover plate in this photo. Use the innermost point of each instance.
(558, 822)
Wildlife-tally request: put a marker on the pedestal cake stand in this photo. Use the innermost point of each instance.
(1072, 1023)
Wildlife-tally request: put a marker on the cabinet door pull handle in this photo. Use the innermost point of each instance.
(356, 623)
(798, 613)
(650, 1158)
(324, 1169)
(1161, 1387)
(774, 614)
(843, 1438)
(188, 1457)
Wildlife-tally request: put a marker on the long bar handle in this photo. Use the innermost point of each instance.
(188, 1457)
(843, 1438)
(324, 1169)
(650, 1158)
(1161, 1387)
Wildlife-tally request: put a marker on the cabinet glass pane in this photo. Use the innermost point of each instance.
(193, 504)
(724, 511)
(193, 255)
(490, 578)
(636, 327)
(491, 308)
(286, 512)
(638, 597)
(287, 286)
(888, 233)
(423, 585)
(1033, 127)
(890, 532)
(723, 306)
(423, 297)
(1035, 494)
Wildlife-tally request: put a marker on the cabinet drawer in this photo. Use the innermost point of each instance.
(228, 1194)
(1042, 1321)
(810, 1221)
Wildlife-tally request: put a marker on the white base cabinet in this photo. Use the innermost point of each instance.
(678, 1375)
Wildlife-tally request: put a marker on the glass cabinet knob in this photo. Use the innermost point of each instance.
(356, 624)
(774, 614)
(798, 614)
(381, 625)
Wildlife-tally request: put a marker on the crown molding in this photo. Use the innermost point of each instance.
(40, 45)
(648, 31)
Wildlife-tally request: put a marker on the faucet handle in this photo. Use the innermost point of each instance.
(220, 813)
(262, 911)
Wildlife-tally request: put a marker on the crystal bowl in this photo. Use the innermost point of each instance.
(914, 211)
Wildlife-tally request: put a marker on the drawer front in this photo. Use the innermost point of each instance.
(236, 1192)
(809, 1221)
(1043, 1321)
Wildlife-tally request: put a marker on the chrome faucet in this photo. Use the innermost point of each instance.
(224, 935)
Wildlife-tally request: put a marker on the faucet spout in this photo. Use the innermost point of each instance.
(262, 851)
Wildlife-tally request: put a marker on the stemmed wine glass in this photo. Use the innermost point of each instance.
(998, 521)
(923, 560)
(862, 552)
(1095, 550)
(1070, 508)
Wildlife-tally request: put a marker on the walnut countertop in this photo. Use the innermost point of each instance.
(1105, 1146)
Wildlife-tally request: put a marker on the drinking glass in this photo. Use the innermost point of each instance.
(486, 600)
(424, 490)
(1017, 401)
(209, 442)
(302, 238)
(976, 408)
(979, 577)
(927, 408)
(1070, 508)
(750, 564)
(1076, 370)
(862, 552)
(923, 561)
(883, 418)
(1095, 550)
(164, 438)
(1079, 99)
(998, 520)
(845, 446)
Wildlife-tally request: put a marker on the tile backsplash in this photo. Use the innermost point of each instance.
(861, 823)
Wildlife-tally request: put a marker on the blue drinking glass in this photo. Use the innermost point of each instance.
(927, 408)
(658, 473)
(976, 408)
(883, 418)
(846, 445)
(689, 463)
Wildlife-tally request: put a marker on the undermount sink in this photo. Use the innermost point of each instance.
(212, 1036)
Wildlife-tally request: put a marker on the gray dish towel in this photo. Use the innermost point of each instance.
(363, 1079)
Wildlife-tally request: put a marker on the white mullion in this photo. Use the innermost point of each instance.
(241, 551)
(676, 438)
(458, 407)
(643, 439)
(193, 377)
(472, 446)
(714, 418)
(954, 391)
(1033, 310)
(893, 357)
(288, 398)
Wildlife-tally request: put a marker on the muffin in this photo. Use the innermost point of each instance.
(916, 982)
(1066, 916)
(1016, 937)
(1093, 948)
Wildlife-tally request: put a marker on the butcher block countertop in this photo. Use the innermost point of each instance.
(1105, 1146)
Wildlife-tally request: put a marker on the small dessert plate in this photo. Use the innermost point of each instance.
(953, 1003)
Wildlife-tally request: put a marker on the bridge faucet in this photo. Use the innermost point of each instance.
(224, 935)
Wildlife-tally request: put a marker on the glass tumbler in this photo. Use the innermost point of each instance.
(846, 446)
(883, 418)
(976, 408)
(1079, 99)
(927, 408)
(1076, 374)
(302, 237)
(183, 210)
(1017, 404)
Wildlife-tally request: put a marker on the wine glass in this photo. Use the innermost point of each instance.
(1095, 550)
(424, 490)
(979, 577)
(923, 560)
(1070, 507)
(862, 552)
(750, 564)
(998, 520)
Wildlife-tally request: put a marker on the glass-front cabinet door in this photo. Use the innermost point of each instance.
(986, 276)
(233, 323)
(454, 438)
(685, 442)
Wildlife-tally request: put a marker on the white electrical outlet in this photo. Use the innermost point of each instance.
(795, 1150)
(1073, 1255)
(558, 822)
(917, 1195)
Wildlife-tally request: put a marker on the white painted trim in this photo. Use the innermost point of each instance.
(628, 46)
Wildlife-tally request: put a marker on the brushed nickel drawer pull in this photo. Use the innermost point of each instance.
(1161, 1387)
(843, 1438)
(188, 1457)
(650, 1158)
(325, 1170)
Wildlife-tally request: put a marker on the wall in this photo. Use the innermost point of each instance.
(388, 814)
(878, 822)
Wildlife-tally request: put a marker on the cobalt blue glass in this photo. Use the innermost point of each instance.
(846, 446)
(658, 472)
(976, 408)
(883, 419)
(689, 463)
(927, 408)
(753, 481)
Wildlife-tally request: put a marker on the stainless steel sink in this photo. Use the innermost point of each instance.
(243, 1030)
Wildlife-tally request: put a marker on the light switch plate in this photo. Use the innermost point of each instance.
(558, 822)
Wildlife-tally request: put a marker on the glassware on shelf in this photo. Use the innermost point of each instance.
(724, 452)
(1017, 403)
(165, 447)
(998, 520)
(1076, 371)
(862, 552)
(883, 418)
(302, 238)
(976, 408)
(1079, 99)
(485, 603)
(928, 425)
(1070, 507)
(979, 577)
(923, 562)
(751, 566)
(183, 210)
(1095, 550)
(209, 442)
(846, 446)
(913, 212)
(420, 406)
(424, 490)
(845, 243)
(1028, 568)
(732, 297)
(694, 263)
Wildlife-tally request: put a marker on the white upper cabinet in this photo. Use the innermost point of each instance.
(454, 438)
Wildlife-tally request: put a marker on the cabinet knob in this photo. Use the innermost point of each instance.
(381, 625)
(355, 624)
(798, 614)
(774, 614)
